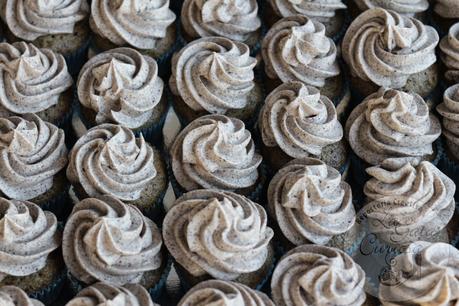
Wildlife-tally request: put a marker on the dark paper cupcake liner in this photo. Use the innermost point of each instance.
(59, 205)
(346, 23)
(50, 294)
(77, 58)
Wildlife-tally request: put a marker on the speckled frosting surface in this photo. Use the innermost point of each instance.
(14, 296)
(449, 46)
(449, 110)
(447, 8)
(405, 7)
(217, 233)
(321, 10)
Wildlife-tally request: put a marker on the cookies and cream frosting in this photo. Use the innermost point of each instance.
(109, 241)
(449, 110)
(213, 74)
(217, 233)
(392, 123)
(121, 86)
(321, 10)
(386, 48)
(15, 296)
(297, 49)
(314, 275)
(215, 152)
(404, 7)
(449, 46)
(447, 8)
(299, 120)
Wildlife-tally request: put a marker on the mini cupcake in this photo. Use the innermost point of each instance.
(296, 121)
(215, 75)
(33, 156)
(410, 8)
(109, 159)
(449, 46)
(224, 293)
(28, 245)
(109, 241)
(11, 295)
(445, 14)
(219, 235)
(122, 86)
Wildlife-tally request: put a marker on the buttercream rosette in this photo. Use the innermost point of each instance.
(449, 46)
(447, 8)
(321, 10)
(449, 110)
(404, 7)
(11, 296)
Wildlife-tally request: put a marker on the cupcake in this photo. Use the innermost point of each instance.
(11, 295)
(449, 47)
(28, 245)
(110, 160)
(215, 75)
(224, 293)
(445, 14)
(219, 235)
(410, 8)
(108, 241)
(296, 121)
(216, 152)
(33, 156)
(122, 86)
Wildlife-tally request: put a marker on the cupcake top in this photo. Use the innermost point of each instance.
(213, 74)
(404, 7)
(447, 8)
(138, 23)
(31, 79)
(318, 276)
(386, 48)
(297, 49)
(299, 120)
(32, 152)
(107, 294)
(217, 233)
(407, 202)
(233, 19)
(449, 110)
(392, 123)
(109, 241)
(121, 86)
(215, 152)
(321, 10)
(310, 202)
(425, 274)
(449, 46)
(27, 236)
(14, 296)
(109, 159)
(224, 293)
(30, 20)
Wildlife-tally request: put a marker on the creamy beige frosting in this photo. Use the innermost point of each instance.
(321, 10)
(449, 110)
(27, 236)
(31, 19)
(31, 79)
(103, 294)
(447, 8)
(318, 276)
(14, 296)
(213, 74)
(310, 202)
(299, 120)
(405, 7)
(233, 19)
(392, 123)
(425, 274)
(109, 159)
(109, 241)
(449, 46)
(296, 49)
(32, 152)
(386, 48)
(122, 86)
(224, 293)
(216, 152)
(139, 23)
(408, 202)
(218, 233)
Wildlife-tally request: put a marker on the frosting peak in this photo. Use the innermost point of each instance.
(321, 10)
(14, 296)
(449, 46)
(404, 7)
(449, 110)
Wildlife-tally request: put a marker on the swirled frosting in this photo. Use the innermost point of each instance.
(223, 293)
(392, 123)
(31, 79)
(449, 110)
(318, 276)
(425, 274)
(233, 19)
(447, 8)
(449, 46)
(121, 86)
(215, 152)
(218, 233)
(404, 7)
(299, 120)
(296, 49)
(27, 236)
(108, 159)
(213, 74)
(31, 153)
(111, 295)
(321, 10)
(139, 23)
(386, 48)
(14, 296)
(310, 202)
(109, 241)
(31, 19)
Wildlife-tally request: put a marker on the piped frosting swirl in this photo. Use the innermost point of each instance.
(449, 110)
(14, 296)
(321, 10)
(404, 7)
(447, 8)
(449, 46)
